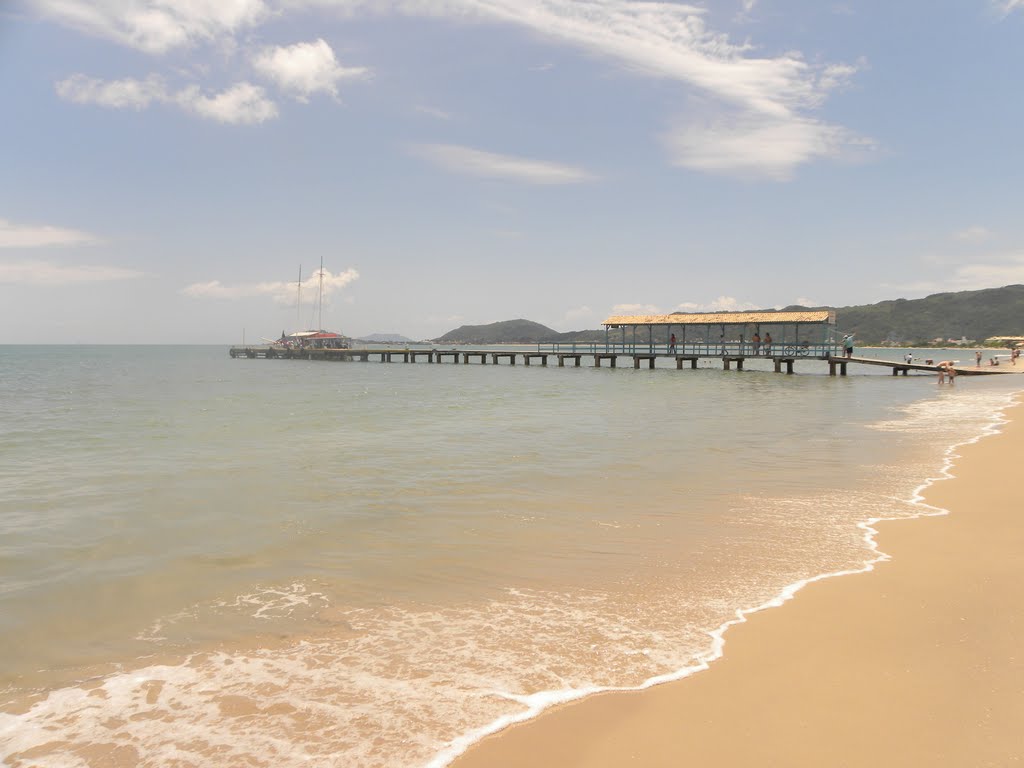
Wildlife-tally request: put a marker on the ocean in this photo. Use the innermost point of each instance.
(217, 562)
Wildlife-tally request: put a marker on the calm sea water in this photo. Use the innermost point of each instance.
(217, 562)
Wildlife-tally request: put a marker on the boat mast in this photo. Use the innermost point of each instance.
(298, 301)
(320, 300)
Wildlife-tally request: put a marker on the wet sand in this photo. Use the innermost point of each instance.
(918, 662)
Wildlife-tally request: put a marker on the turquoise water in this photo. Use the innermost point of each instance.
(207, 561)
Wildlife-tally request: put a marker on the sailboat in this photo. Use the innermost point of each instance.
(316, 339)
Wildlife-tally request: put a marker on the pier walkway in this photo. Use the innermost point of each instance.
(782, 337)
(901, 367)
(731, 355)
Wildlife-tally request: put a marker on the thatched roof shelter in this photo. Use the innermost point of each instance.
(804, 332)
(827, 317)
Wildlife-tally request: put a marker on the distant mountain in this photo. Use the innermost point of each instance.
(385, 338)
(974, 315)
(506, 331)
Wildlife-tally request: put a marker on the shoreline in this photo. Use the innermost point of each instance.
(808, 687)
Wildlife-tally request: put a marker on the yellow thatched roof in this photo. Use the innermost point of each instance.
(726, 318)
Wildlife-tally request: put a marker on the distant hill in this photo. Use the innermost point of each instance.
(964, 314)
(975, 315)
(506, 331)
(385, 338)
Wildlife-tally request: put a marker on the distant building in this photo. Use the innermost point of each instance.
(1005, 341)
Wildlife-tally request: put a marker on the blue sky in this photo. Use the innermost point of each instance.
(168, 165)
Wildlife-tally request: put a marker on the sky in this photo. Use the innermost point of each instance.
(169, 168)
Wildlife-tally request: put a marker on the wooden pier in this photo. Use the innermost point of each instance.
(732, 338)
(728, 357)
(903, 368)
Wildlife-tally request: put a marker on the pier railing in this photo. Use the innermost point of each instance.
(696, 349)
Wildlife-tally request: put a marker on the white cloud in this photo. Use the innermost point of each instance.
(38, 236)
(578, 314)
(46, 273)
(771, 97)
(721, 304)
(437, 114)
(1006, 7)
(805, 302)
(475, 162)
(745, 14)
(995, 271)
(305, 68)
(636, 309)
(242, 103)
(749, 145)
(280, 292)
(663, 39)
(118, 94)
(975, 234)
(1000, 271)
(156, 26)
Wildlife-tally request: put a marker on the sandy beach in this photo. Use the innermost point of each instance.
(919, 662)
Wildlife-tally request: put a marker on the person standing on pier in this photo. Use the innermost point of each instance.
(767, 343)
(756, 341)
(672, 345)
(848, 345)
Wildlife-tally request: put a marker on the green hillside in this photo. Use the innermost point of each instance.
(974, 315)
(504, 332)
(965, 314)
